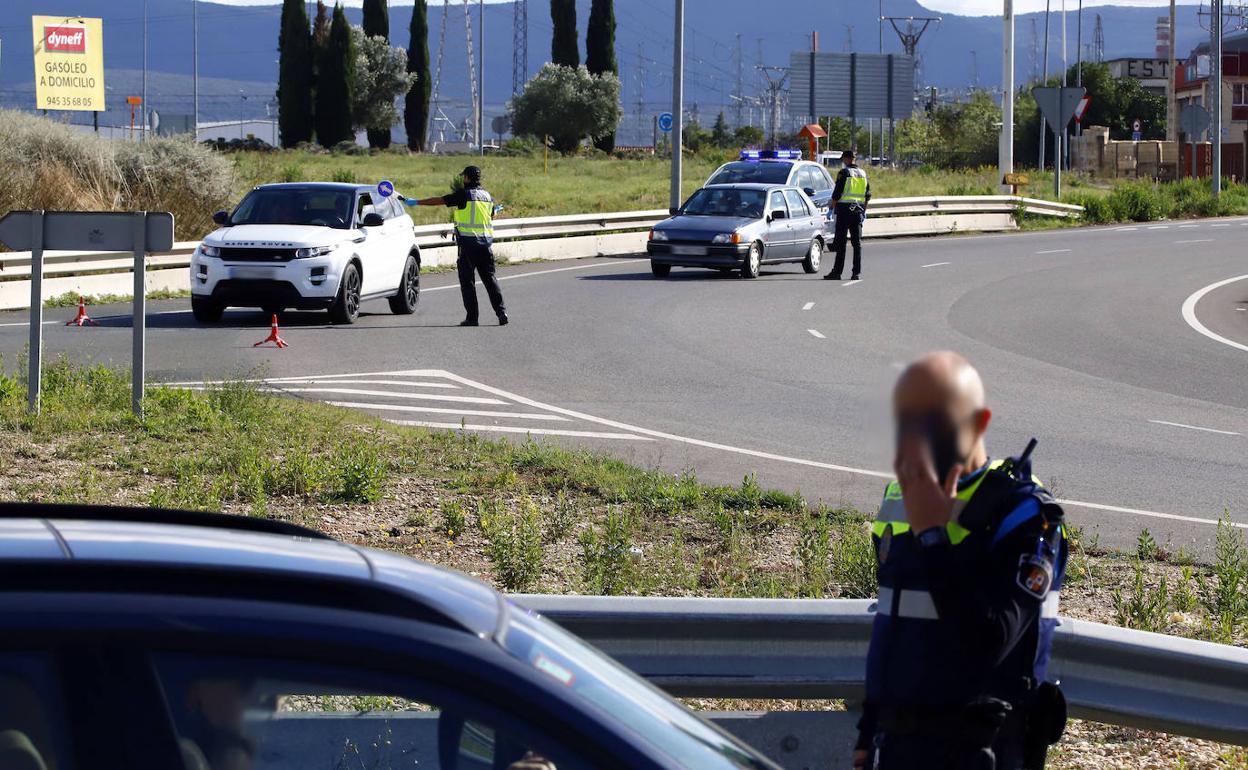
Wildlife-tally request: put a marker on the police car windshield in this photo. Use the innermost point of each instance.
(728, 202)
(744, 171)
(295, 206)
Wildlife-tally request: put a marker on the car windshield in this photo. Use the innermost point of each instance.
(744, 171)
(295, 206)
(726, 202)
(670, 727)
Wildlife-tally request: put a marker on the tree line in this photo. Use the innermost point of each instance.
(335, 79)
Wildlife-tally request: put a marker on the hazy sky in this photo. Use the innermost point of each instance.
(970, 7)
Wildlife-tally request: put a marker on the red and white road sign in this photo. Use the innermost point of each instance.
(1082, 108)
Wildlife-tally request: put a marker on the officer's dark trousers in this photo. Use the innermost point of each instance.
(475, 259)
(848, 226)
(908, 751)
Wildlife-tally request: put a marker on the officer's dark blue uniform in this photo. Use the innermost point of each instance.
(957, 667)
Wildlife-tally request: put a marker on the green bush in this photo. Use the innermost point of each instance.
(1137, 202)
(514, 545)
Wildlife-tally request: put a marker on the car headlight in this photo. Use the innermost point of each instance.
(658, 235)
(209, 251)
(314, 251)
(727, 238)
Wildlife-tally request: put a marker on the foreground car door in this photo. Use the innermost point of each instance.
(779, 237)
(376, 250)
(805, 226)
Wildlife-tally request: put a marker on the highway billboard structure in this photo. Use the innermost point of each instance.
(857, 86)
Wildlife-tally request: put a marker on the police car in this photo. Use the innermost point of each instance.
(308, 245)
(778, 167)
(155, 640)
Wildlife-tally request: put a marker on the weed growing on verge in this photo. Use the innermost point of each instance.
(813, 549)
(607, 560)
(453, 518)
(514, 545)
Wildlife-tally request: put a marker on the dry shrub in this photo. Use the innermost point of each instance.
(49, 165)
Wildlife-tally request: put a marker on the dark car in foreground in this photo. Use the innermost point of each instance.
(144, 639)
(740, 227)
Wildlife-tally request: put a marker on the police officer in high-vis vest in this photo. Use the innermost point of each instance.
(971, 553)
(473, 215)
(849, 198)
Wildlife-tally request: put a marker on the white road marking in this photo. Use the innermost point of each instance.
(1054, 251)
(444, 410)
(401, 383)
(1184, 227)
(548, 272)
(815, 333)
(808, 306)
(1221, 225)
(1189, 313)
(937, 264)
(389, 394)
(848, 284)
(1194, 427)
(533, 431)
(27, 323)
(1198, 240)
(1159, 227)
(1125, 229)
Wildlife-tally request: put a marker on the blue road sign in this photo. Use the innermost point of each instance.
(665, 121)
(385, 188)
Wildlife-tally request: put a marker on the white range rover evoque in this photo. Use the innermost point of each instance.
(307, 246)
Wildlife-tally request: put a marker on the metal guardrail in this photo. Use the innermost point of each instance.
(16, 265)
(764, 648)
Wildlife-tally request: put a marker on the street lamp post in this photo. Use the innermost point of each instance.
(1005, 151)
(195, 68)
(678, 103)
(1215, 81)
(480, 80)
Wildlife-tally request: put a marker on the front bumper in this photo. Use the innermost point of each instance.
(299, 283)
(726, 255)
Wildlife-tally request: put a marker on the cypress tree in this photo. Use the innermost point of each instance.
(377, 24)
(564, 49)
(294, 84)
(336, 85)
(600, 52)
(416, 108)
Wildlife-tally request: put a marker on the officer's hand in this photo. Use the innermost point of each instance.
(860, 760)
(929, 501)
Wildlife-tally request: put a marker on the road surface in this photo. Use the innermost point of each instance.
(1124, 350)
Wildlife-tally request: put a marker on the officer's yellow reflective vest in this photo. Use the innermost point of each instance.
(855, 190)
(476, 219)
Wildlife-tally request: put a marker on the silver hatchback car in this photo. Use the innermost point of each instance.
(740, 227)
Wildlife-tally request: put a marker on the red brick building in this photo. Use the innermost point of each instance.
(1192, 86)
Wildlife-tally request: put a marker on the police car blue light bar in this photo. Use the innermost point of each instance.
(771, 155)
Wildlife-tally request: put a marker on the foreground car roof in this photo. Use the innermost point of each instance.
(47, 540)
(342, 186)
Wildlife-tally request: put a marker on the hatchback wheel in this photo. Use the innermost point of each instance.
(753, 261)
(811, 263)
(660, 271)
(404, 303)
(206, 310)
(346, 307)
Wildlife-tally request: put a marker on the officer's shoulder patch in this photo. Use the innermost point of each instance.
(1035, 575)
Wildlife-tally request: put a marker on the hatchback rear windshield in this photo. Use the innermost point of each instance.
(295, 206)
(727, 202)
(744, 171)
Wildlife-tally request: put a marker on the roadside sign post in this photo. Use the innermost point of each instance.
(1058, 106)
(135, 232)
(1194, 120)
(677, 117)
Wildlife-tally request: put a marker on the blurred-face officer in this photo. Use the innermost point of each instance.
(473, 214)
(971, 554)
(850, 197)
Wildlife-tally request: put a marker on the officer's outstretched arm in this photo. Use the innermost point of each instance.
(996, 606)
(424, 201)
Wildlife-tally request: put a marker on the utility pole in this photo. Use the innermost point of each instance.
(195, 68)
(519, 46)
(775, 77)
(1061, 154)
(1079, 59)
(740, 56)
(143, 106)
(1005, 151)
(1044, 124)
(881, 26)
(1215, 81)
(481, 80)
(678, 104)
(1172, 107)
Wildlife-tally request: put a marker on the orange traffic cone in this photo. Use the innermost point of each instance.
(273, 337)
(82, 319)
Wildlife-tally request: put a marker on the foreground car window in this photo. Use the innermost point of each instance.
(725, 203)
(745, 171)
(686, 739)
(324, 208)
(238, 714)
(30, 728)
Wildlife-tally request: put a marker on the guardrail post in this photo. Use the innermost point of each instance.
(35, 373)
(139, 348)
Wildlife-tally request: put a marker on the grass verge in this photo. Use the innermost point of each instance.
(70, 298)
(535, 517)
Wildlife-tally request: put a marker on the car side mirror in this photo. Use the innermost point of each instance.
(222, 218)
(373, 219)
(810, 191)
(778, 214)
(673, 211)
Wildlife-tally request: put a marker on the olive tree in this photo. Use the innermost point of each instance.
(381, 76)
(568, 104)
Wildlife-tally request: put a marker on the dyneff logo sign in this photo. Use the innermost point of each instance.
(65, 39)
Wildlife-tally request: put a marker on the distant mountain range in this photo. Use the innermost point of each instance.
(238, 46)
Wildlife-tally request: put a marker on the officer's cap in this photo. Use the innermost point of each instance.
(472, 174)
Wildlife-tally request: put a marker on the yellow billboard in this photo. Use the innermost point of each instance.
(69, 63)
